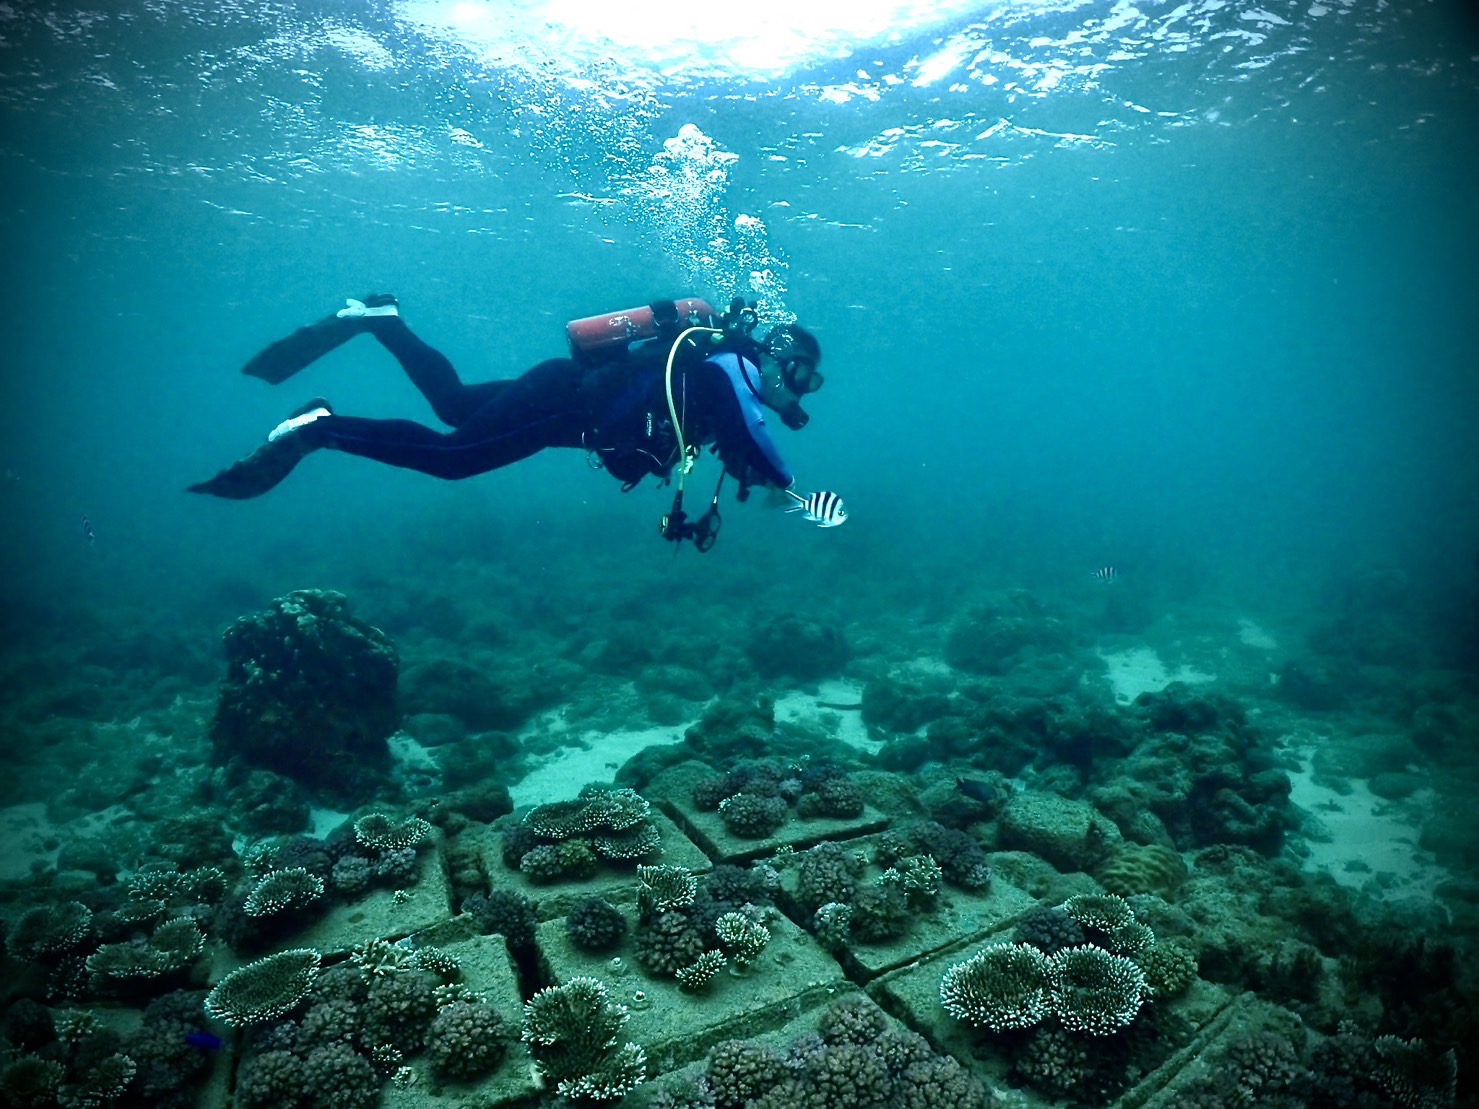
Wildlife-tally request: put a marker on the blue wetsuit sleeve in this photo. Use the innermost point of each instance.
(739, 431)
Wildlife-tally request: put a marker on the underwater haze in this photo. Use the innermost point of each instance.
(1148, 334)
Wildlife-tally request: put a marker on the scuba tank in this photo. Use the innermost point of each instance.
(595, 338)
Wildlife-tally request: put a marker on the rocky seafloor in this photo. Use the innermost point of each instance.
(377, 847)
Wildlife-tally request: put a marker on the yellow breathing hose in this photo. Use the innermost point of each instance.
(685, 459)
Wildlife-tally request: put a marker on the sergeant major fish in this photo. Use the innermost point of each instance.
(821, 508)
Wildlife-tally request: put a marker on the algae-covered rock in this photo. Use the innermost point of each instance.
(310, 693)
(1012, 629)
(1071, 835)
(794, 647)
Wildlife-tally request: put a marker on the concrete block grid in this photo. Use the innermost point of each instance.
(776, 999)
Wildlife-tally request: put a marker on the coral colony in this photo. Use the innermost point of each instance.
(1018, 890)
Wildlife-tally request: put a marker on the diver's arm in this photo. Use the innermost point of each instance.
(739, 431)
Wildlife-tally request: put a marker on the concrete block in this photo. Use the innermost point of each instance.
(382, 913)
(672, 790)
(959, 916)
(913, 993)
(616, 881)
(486, 969)
(791, 977)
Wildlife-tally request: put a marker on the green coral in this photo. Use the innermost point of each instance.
(1003, 987)
(572, 1032)
(1093, 991)
(266, 989)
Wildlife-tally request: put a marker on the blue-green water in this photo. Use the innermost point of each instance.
(1186, 290)
(1148, 285)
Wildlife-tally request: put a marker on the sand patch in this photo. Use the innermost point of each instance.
(1140, 670)
(1251, 635)
(837, 704)
(1363, 841)
(594, 758)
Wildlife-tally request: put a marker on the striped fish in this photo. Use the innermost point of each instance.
(821, 508)
(1105, 574)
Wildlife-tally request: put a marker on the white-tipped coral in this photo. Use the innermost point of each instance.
(742, 938)
(702, 971)
(572, 1033)
(1001, 988)
(278, 891)
(51, 929)
(379, 833)
(266, 989)
(664, 887)
(1093, 991)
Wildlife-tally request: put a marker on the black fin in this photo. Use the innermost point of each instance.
(255, 474)
(282, 359)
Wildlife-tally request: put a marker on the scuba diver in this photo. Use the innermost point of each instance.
(643, 391)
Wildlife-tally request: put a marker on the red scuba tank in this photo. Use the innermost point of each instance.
(601, 334)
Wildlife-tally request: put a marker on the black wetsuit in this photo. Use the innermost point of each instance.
(618, 410)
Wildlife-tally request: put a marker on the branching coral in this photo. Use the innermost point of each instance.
(1169, 968)
(51, 929)
(832, 924)
(669, 941)
(859, 1061)
(380, 958)
(174, 945)
(595, 925)
(961, 860)
(310, 693)
(663, 888)
(1093, 991)
(1413, 1074)
(466, 1040)
(742, 938)
(566, 839)
(752, 816)
(827, 872)
(281, 891)
(1001, 988)
(266, 989)
(1049, 929)
(379, 833)
(702, 971)
(572, 1032)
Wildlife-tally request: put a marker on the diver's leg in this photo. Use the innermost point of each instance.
(284, 358)
(431, 372)
(541, 409)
